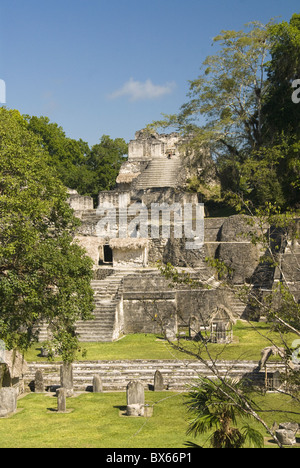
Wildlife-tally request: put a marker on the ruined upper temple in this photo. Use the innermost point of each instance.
(154, 160)
(128, 286)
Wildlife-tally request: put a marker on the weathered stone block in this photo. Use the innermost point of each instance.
(135, 393)
(286, 437)
(39, 382)
(135, 398)
(66, 378)
(61, 400)
(135, 410)
(290, 426)
(97, 384)
(8, 401)
(158, 382)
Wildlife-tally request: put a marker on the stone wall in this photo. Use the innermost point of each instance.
(13, 367)
(152, 145)
(149, 300)
(200, 303)
(130, 257)
(289, 261)
(227, 239)
(78, 202)
(147, 295)
(115, 375)
(81, 203)
(93, 246)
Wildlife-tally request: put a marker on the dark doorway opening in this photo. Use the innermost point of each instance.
(107, 254)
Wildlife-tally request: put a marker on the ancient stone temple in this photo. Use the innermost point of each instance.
(150, 217)
(137, 223)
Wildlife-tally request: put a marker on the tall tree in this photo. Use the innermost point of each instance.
(87, 170)
(104, 162)
(281, 114)
(67, 156)
(228, 95)
(44, 275)
(241, 109)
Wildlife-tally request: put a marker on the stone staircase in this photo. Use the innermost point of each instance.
(105, 326)
(161, 172)
(237, 306)
(43, 332)
(108, 295)
(115, 375)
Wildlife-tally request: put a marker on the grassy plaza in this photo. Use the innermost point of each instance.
(98, 420)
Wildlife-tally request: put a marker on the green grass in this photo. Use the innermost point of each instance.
(97, 422)
(247, 345)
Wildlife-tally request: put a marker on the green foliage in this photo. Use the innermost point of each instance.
(217, 405)
(43, 274)
(281, 114)
(67, 156)
(223, 271)
(241, 108)
(87, 170)
(104, 163)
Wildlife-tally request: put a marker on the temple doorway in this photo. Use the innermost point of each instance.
(107, 254)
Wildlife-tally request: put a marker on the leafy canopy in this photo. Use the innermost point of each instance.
(241, 109)
(43, 274)
(218, 405)
(87, 170)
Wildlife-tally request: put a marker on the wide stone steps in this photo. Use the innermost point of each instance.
(115, 375)
(237, 307)
(107, 297)
(161, 172)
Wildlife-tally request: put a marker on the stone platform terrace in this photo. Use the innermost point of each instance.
(115, 375)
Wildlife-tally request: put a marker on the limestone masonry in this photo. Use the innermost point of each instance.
(125, 241)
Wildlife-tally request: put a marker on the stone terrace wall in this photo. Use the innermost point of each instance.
(115, 375)
(144, 295)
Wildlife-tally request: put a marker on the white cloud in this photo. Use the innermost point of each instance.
(50, 102)
(136, 90)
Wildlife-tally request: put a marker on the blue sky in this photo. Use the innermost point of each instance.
(112, 66)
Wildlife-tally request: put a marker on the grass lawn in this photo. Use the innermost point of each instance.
(97, 422)
(247, 345)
